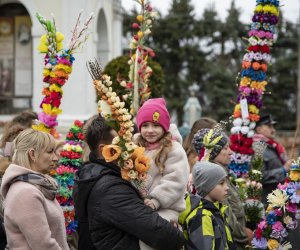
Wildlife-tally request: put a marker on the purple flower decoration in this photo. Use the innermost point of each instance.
(277, 226)
(291, 207)
(261, 244)
(48, 120)
(292, 225)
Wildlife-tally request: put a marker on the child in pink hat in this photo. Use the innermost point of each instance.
(169, 168)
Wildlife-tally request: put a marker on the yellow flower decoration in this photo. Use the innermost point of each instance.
(56, 88)
(237, 108)
(59, 47)
(294, 175)
(139, 18)
(41, 127)
(140, 34)
(59, 37)
(43, 46)
(273, 244)
(46, 72)
(65, 68)
(258, 8)
(253, 109)
(271, 9)
(51, 111)
(245, 81)
(259, 85)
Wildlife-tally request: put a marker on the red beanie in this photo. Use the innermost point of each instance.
(154, 110)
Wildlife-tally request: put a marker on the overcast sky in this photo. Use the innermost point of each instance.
(290, 8)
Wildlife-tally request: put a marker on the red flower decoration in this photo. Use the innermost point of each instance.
(78, 123)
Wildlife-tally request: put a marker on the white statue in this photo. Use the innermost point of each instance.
(192, 108)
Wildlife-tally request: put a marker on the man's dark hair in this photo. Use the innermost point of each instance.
(98, 132)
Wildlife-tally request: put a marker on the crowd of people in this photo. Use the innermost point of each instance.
(190, 200)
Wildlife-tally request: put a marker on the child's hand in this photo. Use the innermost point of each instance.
(149, 203)
(249, 234)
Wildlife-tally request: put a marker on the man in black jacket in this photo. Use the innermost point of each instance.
(276, 164)
(110, 212)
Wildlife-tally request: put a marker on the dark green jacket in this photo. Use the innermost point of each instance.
(205, 225)
(236, 216)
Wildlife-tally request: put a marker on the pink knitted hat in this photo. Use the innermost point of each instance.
(154, 110)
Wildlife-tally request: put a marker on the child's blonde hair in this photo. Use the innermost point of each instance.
(27, 140)
(163, 151)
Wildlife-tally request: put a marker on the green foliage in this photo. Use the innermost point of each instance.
(257, 163)
(118, 70)
(254, 213)
(283, 82)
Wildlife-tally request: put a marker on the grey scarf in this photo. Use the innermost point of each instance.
(45, 184)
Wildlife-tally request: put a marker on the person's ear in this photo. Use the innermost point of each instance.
(32, 155)
(100, 148)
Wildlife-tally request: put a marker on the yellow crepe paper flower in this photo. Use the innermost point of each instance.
(51, 111)
(139, 18)
(273, 244)
(237, 108)
(63, 67)
(245, 81)
(253, 109)
(46, 72)
(59, 37)
(42, 48)
(140, 34)
(56, 88)
(294, 175)
(59, 47)
(44, 39)
(41, 127)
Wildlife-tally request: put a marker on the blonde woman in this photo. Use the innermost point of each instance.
(33, 219)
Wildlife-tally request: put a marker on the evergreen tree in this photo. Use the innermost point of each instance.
(283, 81)
(178, 52)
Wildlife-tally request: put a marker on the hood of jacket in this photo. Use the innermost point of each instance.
(12, 172)
(85, 179)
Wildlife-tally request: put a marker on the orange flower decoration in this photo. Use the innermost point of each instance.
(111, 152)
(254, 117)
(246, 64)
(142, 164)
(124, 174)
(237, 114)
(137, 152)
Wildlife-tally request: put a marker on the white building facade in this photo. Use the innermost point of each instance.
(21, 65)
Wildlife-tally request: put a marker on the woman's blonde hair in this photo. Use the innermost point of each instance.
(27, 140)
(163, 151)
